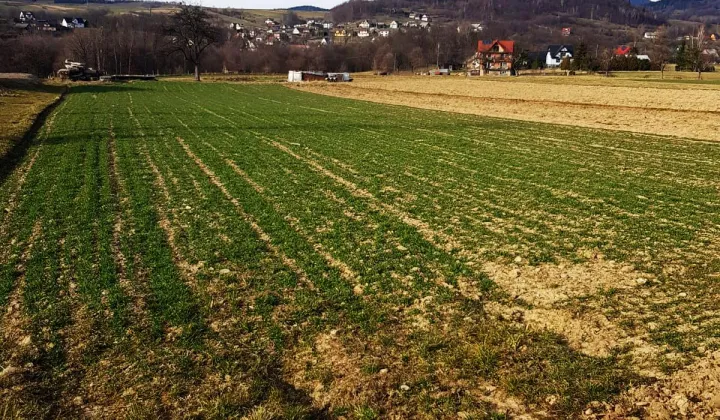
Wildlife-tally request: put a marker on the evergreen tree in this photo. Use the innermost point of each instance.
(680, 57)
(582, 58)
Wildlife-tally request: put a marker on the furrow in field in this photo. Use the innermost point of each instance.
(15, 324)
(12, 204)
(428, 233)
(134, 289)
(679, 225)
(250, 220)
(347, 273)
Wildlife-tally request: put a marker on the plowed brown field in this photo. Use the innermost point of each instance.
(675, 109)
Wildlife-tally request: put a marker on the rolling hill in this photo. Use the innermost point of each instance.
(612, 11)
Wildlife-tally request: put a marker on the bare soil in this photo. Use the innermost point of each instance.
(675, 110)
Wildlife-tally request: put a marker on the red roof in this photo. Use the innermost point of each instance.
(622, 50)
(507, 46)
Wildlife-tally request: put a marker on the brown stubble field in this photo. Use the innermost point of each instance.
(667, 108)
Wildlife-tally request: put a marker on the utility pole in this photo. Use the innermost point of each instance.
(437, 61)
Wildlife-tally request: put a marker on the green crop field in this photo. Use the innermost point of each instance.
(179, 250)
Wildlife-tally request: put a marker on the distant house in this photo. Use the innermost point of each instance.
(650, 35)
(566, 31)
(340, 33)
(623, 50)
(477, 27)
(394, 24)
(363, 33)
(425, 18)
(270, 22)
(27, 17)
(643, 57)
(496, 57)
(327, 25)
(412, 15)
(45, 25)
(384, 33)
(74, 22)
(296, 31)
(556, 54)
(364, 24)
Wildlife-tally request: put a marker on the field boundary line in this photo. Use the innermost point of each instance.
(660, 136)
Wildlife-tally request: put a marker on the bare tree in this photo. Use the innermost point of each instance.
(701, 57)
(661, 49)
(417, 59)
(606, 60)
(189, 33)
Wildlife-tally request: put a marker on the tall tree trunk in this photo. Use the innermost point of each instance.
(197, 73)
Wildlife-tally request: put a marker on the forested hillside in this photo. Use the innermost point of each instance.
(615, 11)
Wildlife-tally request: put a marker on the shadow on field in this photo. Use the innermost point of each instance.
(10, 160)
(105, 88)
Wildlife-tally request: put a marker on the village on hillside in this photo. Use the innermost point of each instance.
(651, 48)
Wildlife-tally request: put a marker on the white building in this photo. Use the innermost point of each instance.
(556, 54)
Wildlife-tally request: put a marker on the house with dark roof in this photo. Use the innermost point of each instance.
(556, 53)
(26, 16)
(73, 22)
(496, 57)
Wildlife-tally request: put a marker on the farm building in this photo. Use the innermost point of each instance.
(496, 57)
(316, 76)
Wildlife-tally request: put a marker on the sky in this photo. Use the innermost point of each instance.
(269, 4)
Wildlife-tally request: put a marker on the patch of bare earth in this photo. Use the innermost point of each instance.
(693, 392)
(17, 347)
(546, 290)
(530, 102)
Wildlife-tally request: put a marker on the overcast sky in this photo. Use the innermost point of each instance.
(268, 4)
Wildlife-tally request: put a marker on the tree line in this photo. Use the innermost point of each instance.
(191, 41)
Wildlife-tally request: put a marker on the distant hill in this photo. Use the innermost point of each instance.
(308, 9)
(613, 11)
(695, 10)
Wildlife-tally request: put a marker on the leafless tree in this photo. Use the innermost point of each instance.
(417, 58)
(605, 60)
(661, 49)
(189, 33)
(701, 61)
